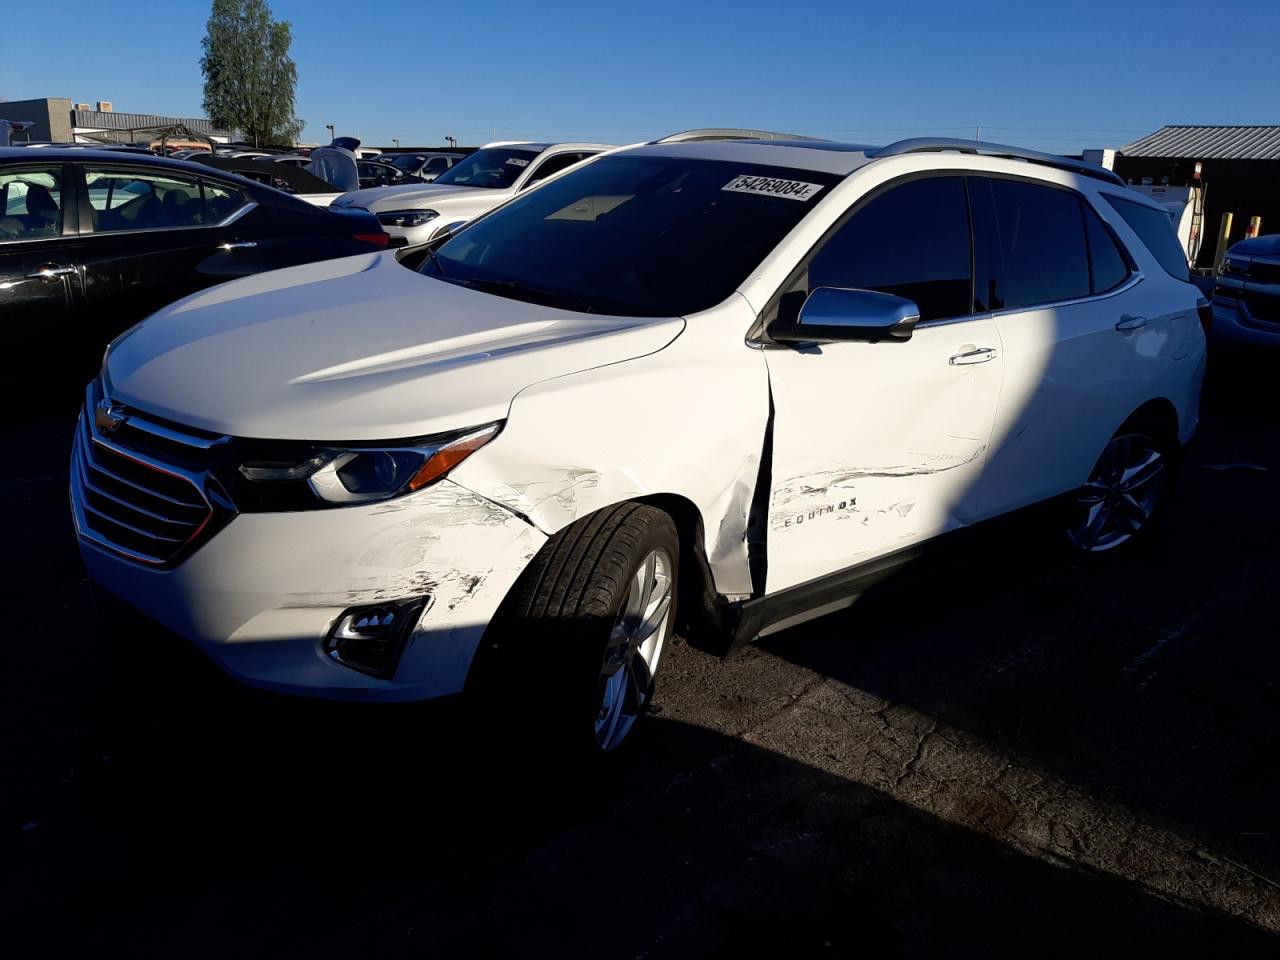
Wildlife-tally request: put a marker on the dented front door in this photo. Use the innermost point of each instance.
(876, 445)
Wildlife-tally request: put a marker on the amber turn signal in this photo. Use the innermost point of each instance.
(452, 454)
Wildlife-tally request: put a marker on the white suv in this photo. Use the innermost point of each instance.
(713, 384)
(474, 185)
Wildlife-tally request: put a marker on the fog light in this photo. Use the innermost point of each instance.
(371, 638)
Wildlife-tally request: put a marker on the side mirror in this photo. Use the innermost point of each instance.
(833, 314)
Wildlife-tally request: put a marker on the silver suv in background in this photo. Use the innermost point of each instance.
(426, 165)
(481, 181)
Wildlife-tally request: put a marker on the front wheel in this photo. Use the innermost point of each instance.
(1124, 494)
(586, 628)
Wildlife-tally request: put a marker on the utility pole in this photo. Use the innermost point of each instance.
(977, 132)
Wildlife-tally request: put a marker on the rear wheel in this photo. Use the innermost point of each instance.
(585, 630)
(1123, 496)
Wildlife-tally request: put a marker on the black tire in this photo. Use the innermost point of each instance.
(537, 677)
(1161, 437)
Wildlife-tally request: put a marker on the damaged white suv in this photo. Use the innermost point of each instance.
(718, 384)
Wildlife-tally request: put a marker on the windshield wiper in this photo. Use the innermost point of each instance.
(522, 291)
(433, 255)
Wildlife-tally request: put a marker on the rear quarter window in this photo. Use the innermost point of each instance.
(1155, 229)
(1108, 266)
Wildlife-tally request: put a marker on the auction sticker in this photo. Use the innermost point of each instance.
(517, 162)
(771, 187)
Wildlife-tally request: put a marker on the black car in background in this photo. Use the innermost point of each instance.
(1246, 298)
(93, 241)
(375, 173)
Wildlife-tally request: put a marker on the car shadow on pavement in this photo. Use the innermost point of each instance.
(175, 814)
(1139, 689)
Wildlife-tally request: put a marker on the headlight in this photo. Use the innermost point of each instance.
(346, 475)
(407, 218)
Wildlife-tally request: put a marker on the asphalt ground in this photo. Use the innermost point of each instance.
(1005, 752)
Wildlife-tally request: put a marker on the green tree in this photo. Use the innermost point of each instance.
(249, 77)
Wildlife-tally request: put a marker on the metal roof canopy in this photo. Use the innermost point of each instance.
(1195, 142)
(164, 132)
(125, 122)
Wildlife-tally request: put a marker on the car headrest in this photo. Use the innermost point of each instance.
(40, 202)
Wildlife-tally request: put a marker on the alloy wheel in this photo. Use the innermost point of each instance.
(634, 648)
(1121, 496)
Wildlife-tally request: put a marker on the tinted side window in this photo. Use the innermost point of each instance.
(124, 200)
(1041, 243)
(30, 204)
(1155, 229)
(1107, 265)
(554, 165)
(221, 200)
(912, 241)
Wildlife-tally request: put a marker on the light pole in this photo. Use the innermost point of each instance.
(329, 127)
(396, 141)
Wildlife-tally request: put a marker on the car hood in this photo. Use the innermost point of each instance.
(1267, 246)
(360, 348)
(414, 196)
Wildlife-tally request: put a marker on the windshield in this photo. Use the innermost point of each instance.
(408, 162)
(634, 236)
(495, 167)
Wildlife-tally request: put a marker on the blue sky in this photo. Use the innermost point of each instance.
(1055, 76)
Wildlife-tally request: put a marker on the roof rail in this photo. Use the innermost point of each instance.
(728, 133)
(980, 148)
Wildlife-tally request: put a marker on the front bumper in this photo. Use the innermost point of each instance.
(260, 596)
(1233, 323)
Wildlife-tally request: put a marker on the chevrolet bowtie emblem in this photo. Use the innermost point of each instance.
(107, 417)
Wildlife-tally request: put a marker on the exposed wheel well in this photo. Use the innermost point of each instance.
(699, 613)
(1158, 411)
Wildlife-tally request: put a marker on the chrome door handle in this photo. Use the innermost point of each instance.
(50, 271)
(980, 355)
(1130, 322)
(237, 245)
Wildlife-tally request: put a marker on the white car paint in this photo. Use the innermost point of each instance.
(319, 199)
(455, 205)
(875, 445)
(435, 355)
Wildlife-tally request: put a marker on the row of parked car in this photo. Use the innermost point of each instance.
(722, 381)
(92, 241)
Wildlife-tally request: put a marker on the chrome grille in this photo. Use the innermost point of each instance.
(128, 501)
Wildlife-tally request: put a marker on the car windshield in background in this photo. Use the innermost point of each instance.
(634, 236)
(408, 162)
(496, 168)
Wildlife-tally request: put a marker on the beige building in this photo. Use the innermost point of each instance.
(61, 120)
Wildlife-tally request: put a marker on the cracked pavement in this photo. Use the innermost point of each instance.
(1003, 751)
